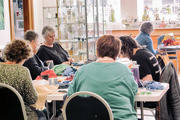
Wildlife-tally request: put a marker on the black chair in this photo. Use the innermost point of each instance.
(11, 103)
(86, 106)
(173, 56)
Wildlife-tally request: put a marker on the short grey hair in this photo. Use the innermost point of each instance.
(47, 29)
(30, 35)
(147, 27)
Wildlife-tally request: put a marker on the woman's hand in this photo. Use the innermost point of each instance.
(66, 62)
(71, 60)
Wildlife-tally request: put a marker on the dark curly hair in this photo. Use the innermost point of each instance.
(17, 50)
(108, 46)
(128, 44)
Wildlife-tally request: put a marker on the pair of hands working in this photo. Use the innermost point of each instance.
(66, 62)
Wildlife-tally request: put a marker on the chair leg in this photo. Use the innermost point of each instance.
(177, 66)
(47, 110)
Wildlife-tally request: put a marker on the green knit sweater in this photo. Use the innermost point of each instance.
(18, 77)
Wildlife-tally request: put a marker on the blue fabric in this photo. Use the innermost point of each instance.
(145, 39)
(152, 85)
(69, 71)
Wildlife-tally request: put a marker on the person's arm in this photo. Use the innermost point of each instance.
(144, 70)
(150, 47)
(147, 77)
(30, 95)
(72, 86)
(42, 54)
(34, 68)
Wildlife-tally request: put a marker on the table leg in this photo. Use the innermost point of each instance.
(142, 114)
(135, 106)
(54, 109)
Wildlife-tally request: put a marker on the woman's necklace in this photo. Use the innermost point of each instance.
(48, 45)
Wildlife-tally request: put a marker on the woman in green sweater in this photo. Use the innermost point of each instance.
(110, 79)
(14, 74)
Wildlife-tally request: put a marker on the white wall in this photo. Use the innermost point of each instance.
(5, 34)
(128, 9)
(38, 18)
(38, 14)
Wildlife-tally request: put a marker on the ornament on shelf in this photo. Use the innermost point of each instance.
(156, 14)
(145, 16)
(178, 11)
(112, 15)
(168, 9)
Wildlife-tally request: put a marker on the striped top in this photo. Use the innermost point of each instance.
(148, 64)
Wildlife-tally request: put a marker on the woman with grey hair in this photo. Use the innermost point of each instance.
(144, 38)
(50, 50)
(34, 64)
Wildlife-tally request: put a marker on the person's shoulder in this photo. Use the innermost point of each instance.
(42, 47)
(22, 69)
(56, 44)
(143, 54)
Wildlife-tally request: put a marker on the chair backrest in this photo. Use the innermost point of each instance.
(86, 106)
(162, 60)
(11, 104)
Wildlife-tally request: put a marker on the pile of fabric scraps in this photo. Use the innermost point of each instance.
(59, 69)
(51, 74)
(168, 42)
(69, 71)
(77, 64)
(152, 85)
(70, 78)
(64, 84)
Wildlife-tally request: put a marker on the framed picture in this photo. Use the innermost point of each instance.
(14, 1)
(20, 4)
(20, 25)
(2, 15)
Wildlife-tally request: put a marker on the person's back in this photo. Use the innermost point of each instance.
(112, 81)
(148, 64)
(18, 77)
(143, 39)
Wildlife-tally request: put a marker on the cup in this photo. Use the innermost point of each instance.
(50, 64)
(53, 81)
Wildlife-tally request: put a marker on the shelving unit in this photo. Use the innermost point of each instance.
(77, 25)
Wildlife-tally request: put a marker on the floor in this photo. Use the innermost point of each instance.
(146, 112)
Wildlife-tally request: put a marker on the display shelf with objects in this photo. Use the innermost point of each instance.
(77, 25)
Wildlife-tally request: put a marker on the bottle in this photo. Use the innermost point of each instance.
(135, 71)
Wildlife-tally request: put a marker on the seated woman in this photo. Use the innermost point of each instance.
(34, 64)
(149, 68)
(110, 79)
(52, 51)
(14, 74)
(144, 38)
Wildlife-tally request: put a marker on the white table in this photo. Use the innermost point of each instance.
(153, 97)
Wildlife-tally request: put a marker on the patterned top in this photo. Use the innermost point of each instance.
(148, 64)
(18, 77)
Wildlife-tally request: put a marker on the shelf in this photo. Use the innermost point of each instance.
(71, 6)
